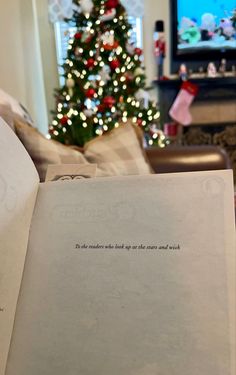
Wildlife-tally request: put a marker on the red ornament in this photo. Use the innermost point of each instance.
(64, 120)
(138, 51)
(108, 101)
(90, 93)
(110, 4)
(101, 108)
(114, 64)
(139, 122)
(78, 35)
(88, 40)
(90, 63)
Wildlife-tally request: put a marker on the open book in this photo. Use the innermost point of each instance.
(115, 276)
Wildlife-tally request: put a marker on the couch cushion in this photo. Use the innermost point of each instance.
(44, 151)
(118, 152)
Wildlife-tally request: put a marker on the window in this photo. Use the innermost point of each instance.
(137, 31)
(64, 31)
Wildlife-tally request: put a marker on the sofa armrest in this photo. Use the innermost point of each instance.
(187, 158)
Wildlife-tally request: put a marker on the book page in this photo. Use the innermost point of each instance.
(132, 275)
(68, 172)
(18, 187)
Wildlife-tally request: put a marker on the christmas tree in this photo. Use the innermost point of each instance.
(104, 78)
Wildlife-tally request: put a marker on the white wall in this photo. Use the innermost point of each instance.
(12, 62)
(48, 53)
(28, 67)
(21, 64)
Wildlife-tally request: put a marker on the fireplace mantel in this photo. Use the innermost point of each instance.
(211, 90)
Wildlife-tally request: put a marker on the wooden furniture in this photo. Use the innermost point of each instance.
(187, 159)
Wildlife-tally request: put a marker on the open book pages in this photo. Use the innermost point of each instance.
(18, 188)
(126, 275)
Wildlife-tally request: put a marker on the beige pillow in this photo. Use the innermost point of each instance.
(16, 107)
(118, 152)
(44, 151)
(7, 114)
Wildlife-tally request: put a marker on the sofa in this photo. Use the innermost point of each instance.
(177, 158)
(119, 152)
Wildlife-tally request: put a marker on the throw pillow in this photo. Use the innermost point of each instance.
(118, 152)
(44, 151)
(15, 106)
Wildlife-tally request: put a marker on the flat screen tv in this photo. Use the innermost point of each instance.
(203, 29)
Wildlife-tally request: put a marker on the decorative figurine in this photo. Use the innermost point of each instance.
(160, 47)
(160, 52)
(222, 68)
(183, 73)
(211, 70)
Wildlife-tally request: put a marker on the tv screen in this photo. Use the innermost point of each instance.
(205, 27)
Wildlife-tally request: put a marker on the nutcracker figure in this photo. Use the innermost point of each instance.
(160, 47)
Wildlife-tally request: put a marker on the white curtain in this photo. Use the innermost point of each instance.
(134, 8)
(60, 9)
